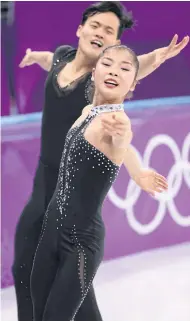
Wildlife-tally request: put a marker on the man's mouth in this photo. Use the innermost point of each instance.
(97, 43)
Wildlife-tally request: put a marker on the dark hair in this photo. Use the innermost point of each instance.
(125, 18)
(123, 47)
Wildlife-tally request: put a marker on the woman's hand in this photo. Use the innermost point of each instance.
(118, 126)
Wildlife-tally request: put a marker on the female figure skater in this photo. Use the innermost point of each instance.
(67, 91)
(71, 245)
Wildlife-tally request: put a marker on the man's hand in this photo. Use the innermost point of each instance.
(43, 58)
(28, 59)
(118, 126)
(162, 54)
(151, 182)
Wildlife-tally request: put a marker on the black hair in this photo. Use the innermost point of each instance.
(125, 17)
(133, 54)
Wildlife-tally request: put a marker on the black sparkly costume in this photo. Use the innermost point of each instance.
(71, 244)
(62, 107)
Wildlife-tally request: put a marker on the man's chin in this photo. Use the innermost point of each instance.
(93, 54)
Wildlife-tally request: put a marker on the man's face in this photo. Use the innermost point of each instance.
(99, 32)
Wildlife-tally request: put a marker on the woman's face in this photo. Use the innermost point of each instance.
(114, 75)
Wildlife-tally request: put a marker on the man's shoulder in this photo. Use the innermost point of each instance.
(63, 52)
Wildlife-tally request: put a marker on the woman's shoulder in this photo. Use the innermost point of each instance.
(86, 109)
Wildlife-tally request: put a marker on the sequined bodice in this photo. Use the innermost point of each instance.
(85, 174)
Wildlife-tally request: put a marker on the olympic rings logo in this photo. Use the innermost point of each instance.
(179, 171)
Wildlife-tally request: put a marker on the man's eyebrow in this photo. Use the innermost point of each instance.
(98, 23)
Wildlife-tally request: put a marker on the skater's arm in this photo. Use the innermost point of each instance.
(147, 179)
(43, 58)
(151, 61)
(118, 126)
(132, 163)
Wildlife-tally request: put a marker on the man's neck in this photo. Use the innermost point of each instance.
(82, 63)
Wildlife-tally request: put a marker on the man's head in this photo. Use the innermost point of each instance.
(102, 26)
(115, 73)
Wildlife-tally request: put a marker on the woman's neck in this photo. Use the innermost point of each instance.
(99, 101)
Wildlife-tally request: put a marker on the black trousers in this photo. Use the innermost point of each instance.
(26, 240)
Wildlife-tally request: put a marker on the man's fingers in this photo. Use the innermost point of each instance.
(28, 51)
(173, 42)
(22, 63)
(182, 44)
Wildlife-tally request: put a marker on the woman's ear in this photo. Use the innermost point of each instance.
(93, 74)
(134, 85)
(129, 95)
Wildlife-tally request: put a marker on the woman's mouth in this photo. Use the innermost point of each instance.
(111, 83)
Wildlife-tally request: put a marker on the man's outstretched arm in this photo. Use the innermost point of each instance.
(151, 61)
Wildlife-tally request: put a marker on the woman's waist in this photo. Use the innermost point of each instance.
(70, 206)
(72, 214)
(87, 231)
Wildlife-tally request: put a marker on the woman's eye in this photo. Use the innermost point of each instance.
(105, 64)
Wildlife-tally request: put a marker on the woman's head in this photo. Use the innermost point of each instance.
(115, 74)
(102, 25)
